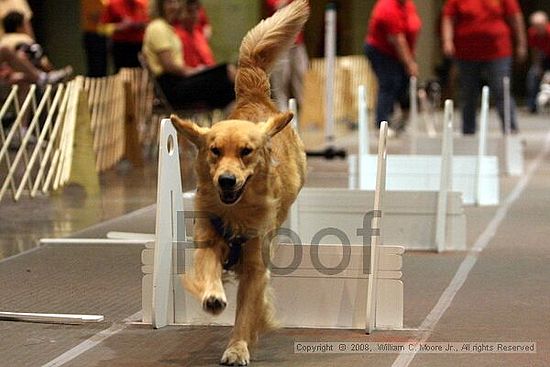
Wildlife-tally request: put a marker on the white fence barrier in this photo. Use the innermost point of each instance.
(37, 150)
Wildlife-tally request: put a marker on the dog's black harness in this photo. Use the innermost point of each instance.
(233, 241)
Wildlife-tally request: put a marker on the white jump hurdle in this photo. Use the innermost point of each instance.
(354, 298)
(508, 148)
(423, 173)
(418, 220)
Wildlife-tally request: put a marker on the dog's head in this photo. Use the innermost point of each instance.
(233, 151)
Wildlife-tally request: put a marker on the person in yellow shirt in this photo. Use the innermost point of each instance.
(94, 38)
(184, 86)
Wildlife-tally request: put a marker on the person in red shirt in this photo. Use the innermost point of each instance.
(389, 45)
(539, 41)
(478, 35)
(288, 75)
(129, 18)
(190, 29)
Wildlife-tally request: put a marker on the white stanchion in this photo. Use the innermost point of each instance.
(169, 203)
(482, 147)
(363, 121)
(376, 240)
(330, 66)
(446, 177)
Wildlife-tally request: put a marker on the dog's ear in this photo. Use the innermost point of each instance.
(189, 129)
(277, 123)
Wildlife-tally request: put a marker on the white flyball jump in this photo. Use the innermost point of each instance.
(418, 220)
(423, 172)
(356, 285)
(508, 147)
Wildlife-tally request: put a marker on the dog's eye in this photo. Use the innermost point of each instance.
(215, 151)
(245, 152)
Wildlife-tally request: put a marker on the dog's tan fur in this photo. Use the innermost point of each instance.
(271, 174)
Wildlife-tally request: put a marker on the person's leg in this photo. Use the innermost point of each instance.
(496, 71)
(95, 46)
(280, 80)
(299, 65)
(388, 75)
(125, 55)
(470, 74)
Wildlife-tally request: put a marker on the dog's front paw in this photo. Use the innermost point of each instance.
(236, 354)
(214, 304)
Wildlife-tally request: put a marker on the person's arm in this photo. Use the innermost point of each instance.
(447, 35)
(518, 29)
(169, 66)
(404, 53)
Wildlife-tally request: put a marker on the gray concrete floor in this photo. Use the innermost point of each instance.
(505, 297)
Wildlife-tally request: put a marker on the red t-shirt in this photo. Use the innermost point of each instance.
(118, 10)
(538, 42)
(481, 30)
(196, 50)
(390, 18)
(272, 8)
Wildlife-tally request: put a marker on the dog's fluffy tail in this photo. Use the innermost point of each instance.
(262, 46)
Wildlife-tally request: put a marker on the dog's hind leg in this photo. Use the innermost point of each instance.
(254, 309)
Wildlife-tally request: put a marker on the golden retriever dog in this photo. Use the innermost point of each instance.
(250, 169)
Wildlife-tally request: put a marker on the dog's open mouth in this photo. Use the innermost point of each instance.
(230, 197)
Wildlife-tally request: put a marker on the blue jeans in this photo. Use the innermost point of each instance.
(534, 77)
(393, 82)
(471, 74)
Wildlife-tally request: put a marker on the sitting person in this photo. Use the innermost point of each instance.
(185, 86)
(196, 51)
(17, 39)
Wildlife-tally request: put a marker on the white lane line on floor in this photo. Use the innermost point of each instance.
(429, 323)
(92, 342)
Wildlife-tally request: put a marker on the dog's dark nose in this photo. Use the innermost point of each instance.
(227, 181)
